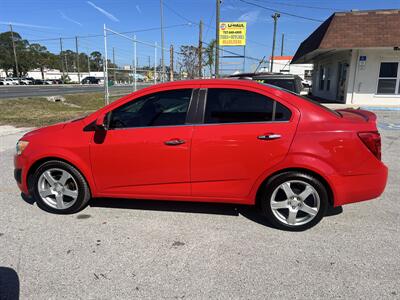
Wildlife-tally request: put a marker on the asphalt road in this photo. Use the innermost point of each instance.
(9, 92)
(138, 249)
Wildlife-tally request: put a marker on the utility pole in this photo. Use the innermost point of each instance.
(88, 64)
(149, 62)
(134, 64)
(66, 63)
(171, 63)
(201, 49)
(162, 41)
(217, 39)
(77, 59)
(155, 62)
(283, 39)
(275, 16)
(115, 74)
(62, 63)
(105, 67)
(14, 50)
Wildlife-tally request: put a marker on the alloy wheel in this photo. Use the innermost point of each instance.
(295, 202)
(58, 188)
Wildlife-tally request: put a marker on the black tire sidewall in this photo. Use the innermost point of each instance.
(83, 191)
(277, 180)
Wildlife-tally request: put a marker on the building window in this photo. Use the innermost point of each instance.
(328, 79)
(321, 78)
(388, 78)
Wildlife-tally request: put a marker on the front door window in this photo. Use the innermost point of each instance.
(166, 108)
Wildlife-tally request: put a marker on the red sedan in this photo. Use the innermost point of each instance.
(228, 141)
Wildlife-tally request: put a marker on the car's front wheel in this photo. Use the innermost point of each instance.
(294, 201)
(60, 188)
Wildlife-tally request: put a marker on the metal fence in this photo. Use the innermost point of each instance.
(118, 72)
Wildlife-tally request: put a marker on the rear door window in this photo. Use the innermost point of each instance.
(239, 106)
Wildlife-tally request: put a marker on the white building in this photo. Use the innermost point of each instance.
(282, 64)
(356, 57)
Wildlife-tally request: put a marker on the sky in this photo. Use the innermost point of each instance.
(45, 21)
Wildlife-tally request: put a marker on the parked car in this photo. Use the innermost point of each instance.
(139, 77)
(25, 81)
(48, 81)
(15, 80)
(57, 81)
(232, 141)
(90, 80)
(6, 81)
(10, 81)
(38, 82)
(286, 81)
(306, 83)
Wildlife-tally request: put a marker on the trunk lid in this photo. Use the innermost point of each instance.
(357, 115)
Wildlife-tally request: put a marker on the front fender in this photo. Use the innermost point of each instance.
(80, 162)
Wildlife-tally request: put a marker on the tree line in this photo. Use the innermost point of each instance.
(32, 56)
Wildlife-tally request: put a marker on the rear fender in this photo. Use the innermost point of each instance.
(298, 161)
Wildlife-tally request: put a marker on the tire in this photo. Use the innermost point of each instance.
(294, 201)
(60, 188)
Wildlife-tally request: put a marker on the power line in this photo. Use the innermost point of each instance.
(100, 35)
(234, 53)
(282, 12)
(299, 5)
(219, 48)
(208, 26)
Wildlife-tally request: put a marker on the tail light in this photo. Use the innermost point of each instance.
(372, 140)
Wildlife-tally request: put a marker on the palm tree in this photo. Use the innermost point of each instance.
(210, 55)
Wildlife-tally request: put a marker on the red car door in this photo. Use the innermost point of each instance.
(146, 150)
(244, 133)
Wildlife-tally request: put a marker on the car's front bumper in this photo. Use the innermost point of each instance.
(20, 173)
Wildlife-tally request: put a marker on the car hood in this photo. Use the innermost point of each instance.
(44, 130)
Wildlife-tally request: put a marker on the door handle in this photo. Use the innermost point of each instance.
(269, 136)
(174, 142)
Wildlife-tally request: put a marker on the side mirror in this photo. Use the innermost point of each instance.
(101, 122)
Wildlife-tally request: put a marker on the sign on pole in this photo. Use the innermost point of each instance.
(232, 33)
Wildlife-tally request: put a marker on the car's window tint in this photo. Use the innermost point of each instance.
(239, 106)
(160, 109)
(282, 113)
(287, 84)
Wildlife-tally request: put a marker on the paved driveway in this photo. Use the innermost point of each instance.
(139, 249)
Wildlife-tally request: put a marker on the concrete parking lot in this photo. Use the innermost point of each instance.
(138, 249)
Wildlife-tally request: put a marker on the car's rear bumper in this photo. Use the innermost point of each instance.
(350, 189)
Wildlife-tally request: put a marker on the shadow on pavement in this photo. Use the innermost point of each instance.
(9, 284)
(172, 206)
(250, 212)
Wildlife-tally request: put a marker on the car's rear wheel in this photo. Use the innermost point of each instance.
(60, 188)
(294, 201)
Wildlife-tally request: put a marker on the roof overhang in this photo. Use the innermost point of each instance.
(351, 30)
